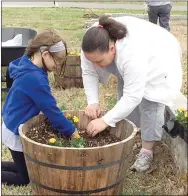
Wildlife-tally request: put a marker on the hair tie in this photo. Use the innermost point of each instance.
(100, 26)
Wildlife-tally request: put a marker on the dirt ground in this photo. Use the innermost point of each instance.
(163, 178)
(44, 131)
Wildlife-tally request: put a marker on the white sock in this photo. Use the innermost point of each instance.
(150, 152)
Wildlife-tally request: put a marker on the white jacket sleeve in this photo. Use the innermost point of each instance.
(90, 80)
(132, 68)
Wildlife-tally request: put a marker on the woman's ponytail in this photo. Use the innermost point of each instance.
(99, 37)
(115, 29)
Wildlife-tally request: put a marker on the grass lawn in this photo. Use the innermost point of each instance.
(164, 178)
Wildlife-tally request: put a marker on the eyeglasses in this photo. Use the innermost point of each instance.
(60, 64)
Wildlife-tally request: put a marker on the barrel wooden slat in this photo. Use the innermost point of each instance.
(54, 154)
(71, 171)
(73, 60)
(93, 180)
(72, 76)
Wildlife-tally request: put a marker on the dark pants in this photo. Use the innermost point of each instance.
(14, 173)
(162, 12)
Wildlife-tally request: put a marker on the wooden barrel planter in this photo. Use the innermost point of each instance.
(78, 171)
(72, 76)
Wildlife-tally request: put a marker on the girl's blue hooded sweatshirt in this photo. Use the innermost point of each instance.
(30, 94)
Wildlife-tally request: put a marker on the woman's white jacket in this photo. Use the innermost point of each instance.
(149, 62)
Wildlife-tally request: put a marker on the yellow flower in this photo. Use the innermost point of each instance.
(186, 114)
(68, 115)
(71, 52)
(78, 54)
(75, 135)
(75, 119)
(181, 110)
(52, 140)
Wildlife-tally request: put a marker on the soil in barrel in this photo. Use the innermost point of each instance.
(44, 131)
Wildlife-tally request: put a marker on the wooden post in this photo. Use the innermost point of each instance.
(72, 76)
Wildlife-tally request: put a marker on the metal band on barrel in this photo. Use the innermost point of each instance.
(83, 168)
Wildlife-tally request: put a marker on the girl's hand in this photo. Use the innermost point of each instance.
(93, 110)
(96, 126)
(75, 135)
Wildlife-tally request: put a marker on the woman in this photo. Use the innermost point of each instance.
(146, 59)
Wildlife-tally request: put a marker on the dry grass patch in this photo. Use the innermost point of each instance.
(162, 179)
(179, 30)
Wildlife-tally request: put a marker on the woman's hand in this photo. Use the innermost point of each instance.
(93, 110)
(96, 126)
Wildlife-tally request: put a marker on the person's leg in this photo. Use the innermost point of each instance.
(153, 14)
(134, 116)
(19, 177)
(164, 16)
(151, 122)
(8, 166)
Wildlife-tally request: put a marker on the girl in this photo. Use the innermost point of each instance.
(30, 94)
(146, 59)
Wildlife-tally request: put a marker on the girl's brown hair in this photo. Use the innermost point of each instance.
(47, 37)
(97, 38)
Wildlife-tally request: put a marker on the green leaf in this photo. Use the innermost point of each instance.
(78, 143)
(62, 108)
